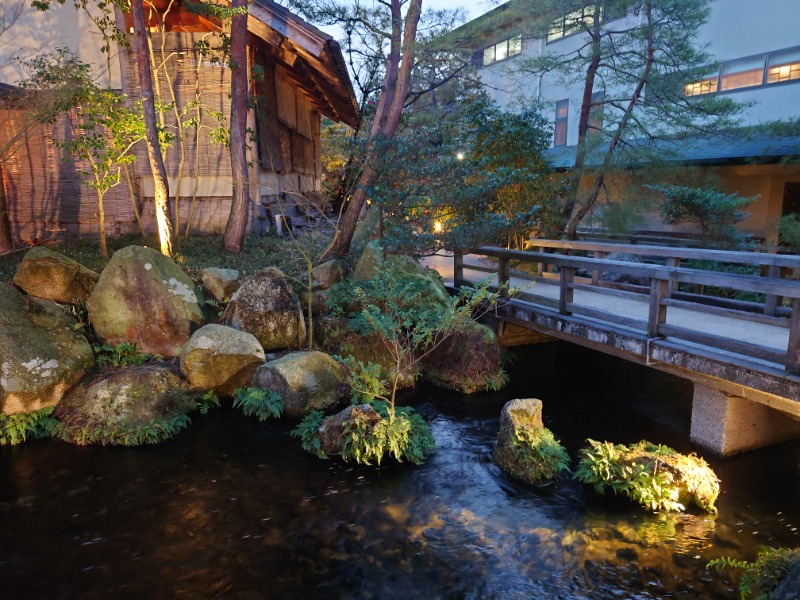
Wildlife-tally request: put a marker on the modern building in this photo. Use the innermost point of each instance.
(298, 75)
(757, 46)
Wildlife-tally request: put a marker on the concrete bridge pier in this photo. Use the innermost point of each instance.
(727, 424)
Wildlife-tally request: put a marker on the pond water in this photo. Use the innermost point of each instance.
(233, 508)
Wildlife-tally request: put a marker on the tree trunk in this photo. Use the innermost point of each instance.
(6, 242)
(101, 222)
(154, 155)
(237, 220)
(396, 81)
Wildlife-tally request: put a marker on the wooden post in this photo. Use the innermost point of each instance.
(793, 350)
(540, 267)
(565, 289)
(672, 261)
(458, 268)
(502, 276)
(658, 312)
(596, 272)
(771, 300)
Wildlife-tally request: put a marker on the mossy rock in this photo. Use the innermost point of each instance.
(525, 448)
(467, 361)
(42, 354)
(50, 275)
(366, 230)
(220, 284)
(129, 406)
(655, 476)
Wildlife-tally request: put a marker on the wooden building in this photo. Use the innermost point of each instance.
(297, 75)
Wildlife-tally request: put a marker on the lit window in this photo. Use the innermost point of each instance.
(560, 125)
(583, 18)
(704, 86)
(784, 66)
(502, 50)
(742, 73)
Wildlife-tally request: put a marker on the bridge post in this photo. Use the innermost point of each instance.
(771, 300)
(565, 289)
(658, 311)
(728, 424)
(793, 348)
(458, 268)
(502, 276)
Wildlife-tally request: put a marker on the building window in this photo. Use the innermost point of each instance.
(502, 50)
(783, 66)
(584, 18)
(704, 86)
(744, 73)
(562, 114)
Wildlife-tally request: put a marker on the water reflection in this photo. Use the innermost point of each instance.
(234, 508)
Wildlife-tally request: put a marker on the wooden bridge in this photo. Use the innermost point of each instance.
(734, 333)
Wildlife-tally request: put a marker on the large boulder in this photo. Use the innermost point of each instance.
(41, 353)
(145, 298)
(220, 284)
(366, 230)
(266, 306)
(50, 275)
(525, 448)
(789, 586)
(220, 358)
(467, 361)
(305, 380)
(129, 406)
(327, 274)
(331, 432)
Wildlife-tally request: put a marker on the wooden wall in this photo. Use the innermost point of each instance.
(48, 201)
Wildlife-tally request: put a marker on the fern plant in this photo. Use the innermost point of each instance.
(122, 355)
(306, 431)
(207, 401)
(541, 453)
(760, 578)
(264, 404)
(152, 432)
(17, 428)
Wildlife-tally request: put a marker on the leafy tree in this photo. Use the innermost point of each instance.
(633, 70)
(714, 213)
(105, 132)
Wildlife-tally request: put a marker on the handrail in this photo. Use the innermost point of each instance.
(662, 279)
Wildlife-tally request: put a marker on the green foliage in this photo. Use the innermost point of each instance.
(15, 429)
(718, 292)
(601, 466)
(760, 578)
(366, 380)
(541, 453)
(790, 230)
(264, 404)
(122, 355)
(401, 433)
(714, 213)
(153, 432)
(497, 381)
(207, 401)
(306, 431)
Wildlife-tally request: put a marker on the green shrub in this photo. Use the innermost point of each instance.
(264, 404)
(122, 355)
(406, 436)
(153, 432)
(655, 476)
(206, 402)
(790, 230)
(15, 429)
(760, 578)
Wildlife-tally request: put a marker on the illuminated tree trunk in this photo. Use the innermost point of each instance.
(387, 116)
(237, 220)
(154, 155)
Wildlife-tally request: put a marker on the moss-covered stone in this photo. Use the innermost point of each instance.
(50, 275)
(655, 476)
(145, 298)
(130, 406)
(332, 431)
(266, 306)
(305, 380)
(220, 359)
(525, 448)
(41, 353)
(467, 361)
(220, 284)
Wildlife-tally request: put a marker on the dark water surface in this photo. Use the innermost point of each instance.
(233, 508)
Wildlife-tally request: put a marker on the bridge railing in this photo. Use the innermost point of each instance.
(662, 292)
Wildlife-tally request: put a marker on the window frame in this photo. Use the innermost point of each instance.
(508, 55)
(561, 121)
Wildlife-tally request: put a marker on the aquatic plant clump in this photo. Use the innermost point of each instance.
(762, 577)
(655, 476)
(152, 432)
(17, 428)
(540, 456)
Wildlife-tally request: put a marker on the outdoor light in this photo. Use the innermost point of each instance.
(460, 155)
(437, 227)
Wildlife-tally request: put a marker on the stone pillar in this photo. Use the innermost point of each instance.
(728, 425)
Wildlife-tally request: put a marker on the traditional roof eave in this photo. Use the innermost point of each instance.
(323, 75)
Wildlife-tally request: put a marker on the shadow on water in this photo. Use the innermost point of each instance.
(234, 508)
